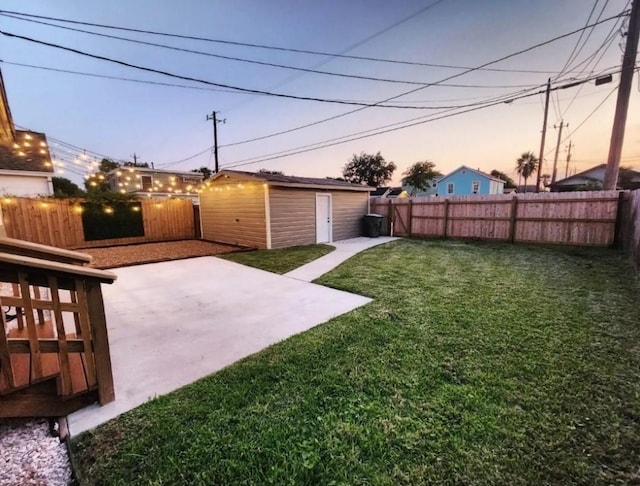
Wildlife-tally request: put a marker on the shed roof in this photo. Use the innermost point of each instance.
(293, 181)
(29, 153)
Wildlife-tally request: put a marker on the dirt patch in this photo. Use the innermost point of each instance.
(121, 256)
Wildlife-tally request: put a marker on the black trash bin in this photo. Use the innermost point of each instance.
(372, 224)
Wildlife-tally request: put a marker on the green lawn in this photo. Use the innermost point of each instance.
(282, 260)
(476, 364)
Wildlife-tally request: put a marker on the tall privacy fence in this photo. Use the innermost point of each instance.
(577, 218)
(629, 234)
(79, 224)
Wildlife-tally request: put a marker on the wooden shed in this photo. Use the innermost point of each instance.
(260, 210)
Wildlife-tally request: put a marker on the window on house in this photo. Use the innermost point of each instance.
(147, 182)
(475, 187)
(450, 188)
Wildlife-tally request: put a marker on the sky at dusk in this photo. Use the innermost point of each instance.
(166, 124)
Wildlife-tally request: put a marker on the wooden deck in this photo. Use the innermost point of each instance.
(18, 341)
(54, 349)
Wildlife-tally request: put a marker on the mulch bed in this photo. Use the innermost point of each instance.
(122, 256)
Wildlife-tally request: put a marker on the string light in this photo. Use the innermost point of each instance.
(108, 210)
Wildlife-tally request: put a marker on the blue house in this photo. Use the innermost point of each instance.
(465, 181)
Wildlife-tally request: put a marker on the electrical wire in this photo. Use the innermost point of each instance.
(228, 58)
(344, 139)
(276, 48)
(144, 81)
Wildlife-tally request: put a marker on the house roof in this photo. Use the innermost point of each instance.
(7, 130)
(293, 181)
(479, 172)
(30, 152)
(595, 173)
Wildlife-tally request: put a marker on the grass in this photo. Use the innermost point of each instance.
(282, 260)
(475, 364)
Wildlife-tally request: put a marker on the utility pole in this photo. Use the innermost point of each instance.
(555, 159)
(566, 168)
(135, 159)
(215, 121)
(622, 103)
(544, 133)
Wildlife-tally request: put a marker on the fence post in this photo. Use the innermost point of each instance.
(409, 222)
(100, 340)
(512, 223)
(620, 217)
(446, 219)
(392, 214)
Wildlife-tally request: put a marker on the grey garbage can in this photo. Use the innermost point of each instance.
(372, 224)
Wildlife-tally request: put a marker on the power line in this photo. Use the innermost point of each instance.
(220, 85)
(586, 119)
(570, 58)
(172, 85)
(503, 99)
(381, 130)
(228, 58)
(276, 48)
(282, 95)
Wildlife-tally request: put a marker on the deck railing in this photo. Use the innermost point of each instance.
(54, 347)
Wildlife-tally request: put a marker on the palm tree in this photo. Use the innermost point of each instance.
(526, 165)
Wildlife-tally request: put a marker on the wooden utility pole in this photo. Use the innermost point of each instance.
(566, 167)
(622, 103)
(544, 134)
(215, 121)
(555, 158)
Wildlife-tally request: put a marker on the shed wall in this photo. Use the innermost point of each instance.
(348, 209)
(234, 215)
(293, 215)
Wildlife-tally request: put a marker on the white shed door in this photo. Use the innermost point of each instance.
(323, 218)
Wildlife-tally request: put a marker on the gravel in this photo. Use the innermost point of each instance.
(120, 256)
(30, 455)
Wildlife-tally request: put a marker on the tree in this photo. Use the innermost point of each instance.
(206, 172)
(526, 165)
(628, 179)
(268, 171)
(420, 176)
(508, 181)
(98, 182)
(63, 187)
(368, 169)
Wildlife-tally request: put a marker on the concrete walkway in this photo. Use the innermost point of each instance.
(173, 323)
(344, 250)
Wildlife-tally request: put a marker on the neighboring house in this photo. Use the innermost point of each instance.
(390, 192)
(465, 181)
(275, 211)
(25, 162)
(527, 188)
(589, 179)
(432, 190)
(156, 183)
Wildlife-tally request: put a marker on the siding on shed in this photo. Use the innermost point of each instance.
(236, 215)
(293, 216)
(348, 209)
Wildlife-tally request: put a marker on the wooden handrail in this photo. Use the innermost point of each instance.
(62, 268)
(36, 250)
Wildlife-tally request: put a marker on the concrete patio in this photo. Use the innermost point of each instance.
(172, 323)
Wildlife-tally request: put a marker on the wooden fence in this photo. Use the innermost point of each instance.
(629, 226)
(578, 218)
(58, 222)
